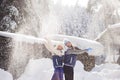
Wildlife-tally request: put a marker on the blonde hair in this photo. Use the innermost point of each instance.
(56, 46)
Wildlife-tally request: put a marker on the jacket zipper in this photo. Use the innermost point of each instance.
(56, 61)
(71, 60)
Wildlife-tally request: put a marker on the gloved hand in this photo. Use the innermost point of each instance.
(89, 49)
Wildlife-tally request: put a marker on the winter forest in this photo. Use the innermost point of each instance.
(86, 23)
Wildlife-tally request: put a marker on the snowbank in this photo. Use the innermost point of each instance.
(111, 29)
(98, 49)
(25, 38)
(42, 69)
(5, 75)
(82, 43)
(21, 37)
(110, 38)
(108, 71)
(115, 26)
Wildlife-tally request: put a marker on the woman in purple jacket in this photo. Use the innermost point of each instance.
(70, 57)
(57, 58)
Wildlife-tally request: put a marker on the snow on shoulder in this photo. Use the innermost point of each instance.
(82, 43)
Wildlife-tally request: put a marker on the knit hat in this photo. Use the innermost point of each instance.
(66, 41)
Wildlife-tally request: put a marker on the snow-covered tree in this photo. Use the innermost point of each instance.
(74, 20)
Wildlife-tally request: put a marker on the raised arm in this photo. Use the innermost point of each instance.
(78, 51)
(49, 46)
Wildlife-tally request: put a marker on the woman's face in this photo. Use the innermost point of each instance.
(59, 47)
(69, 44)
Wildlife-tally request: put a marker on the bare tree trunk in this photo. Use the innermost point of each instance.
(5, 49)
(118, 61)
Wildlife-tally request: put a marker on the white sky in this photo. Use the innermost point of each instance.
(82, 3)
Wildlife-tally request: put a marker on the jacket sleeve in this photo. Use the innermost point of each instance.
(80, 51)
(77, 51)
(48, 44)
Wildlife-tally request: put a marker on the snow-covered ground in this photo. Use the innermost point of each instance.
(5, 75)
(42, 69)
